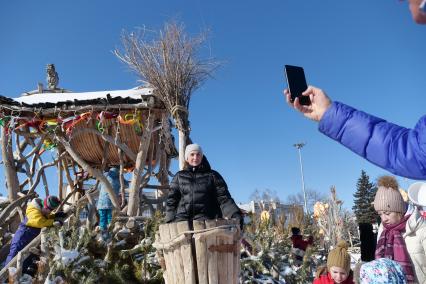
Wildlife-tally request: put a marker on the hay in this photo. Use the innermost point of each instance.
(170, 64)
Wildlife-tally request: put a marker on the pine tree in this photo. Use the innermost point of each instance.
(364, 196)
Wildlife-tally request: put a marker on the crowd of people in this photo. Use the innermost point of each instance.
(400, 255)
(200, 193)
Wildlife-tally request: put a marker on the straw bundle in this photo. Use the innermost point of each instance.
(170, 64)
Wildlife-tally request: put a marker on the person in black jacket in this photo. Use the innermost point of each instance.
(199, 193)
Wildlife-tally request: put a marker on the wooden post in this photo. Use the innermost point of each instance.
(230, 257)
(9, 166)
(201, 252)
(187, 254)
(178, 262)
(60, 180)
(237, 254)
(212, 256)
(222, 258)
(165, 237)
(182, 145)
(140, 164)
(122, 186)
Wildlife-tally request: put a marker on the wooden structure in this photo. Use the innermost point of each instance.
(81, 135)
(208, 254)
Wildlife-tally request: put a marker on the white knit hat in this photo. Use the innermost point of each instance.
(191, 148)
(417, 193)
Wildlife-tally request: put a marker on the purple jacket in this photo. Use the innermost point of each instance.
(399, 150)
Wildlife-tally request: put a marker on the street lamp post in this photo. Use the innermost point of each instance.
(299, 146)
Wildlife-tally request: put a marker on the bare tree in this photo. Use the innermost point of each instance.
(312, 196)
(264, 194)
(171, 64)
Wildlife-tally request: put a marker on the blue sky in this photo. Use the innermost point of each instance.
(368, 54)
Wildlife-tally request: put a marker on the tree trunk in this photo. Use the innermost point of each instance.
(140, 164)
(9, 166)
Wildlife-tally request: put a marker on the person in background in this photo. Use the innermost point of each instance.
(104, 204)
(338, 270)
(38, 215)
(415, 230)
(299, 245)
(379, 271)
(400, 150)
(199, 193)
(391, 208)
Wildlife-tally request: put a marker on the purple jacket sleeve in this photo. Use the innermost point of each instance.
(399, 150)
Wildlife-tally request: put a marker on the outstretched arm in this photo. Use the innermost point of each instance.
(397, 149)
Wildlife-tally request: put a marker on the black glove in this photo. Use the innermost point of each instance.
(239, 218)
(60, 214)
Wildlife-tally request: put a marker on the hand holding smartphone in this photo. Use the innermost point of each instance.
(296, 82)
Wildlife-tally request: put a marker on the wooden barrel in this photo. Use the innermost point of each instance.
(209, 253)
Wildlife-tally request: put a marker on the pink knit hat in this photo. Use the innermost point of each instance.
(388, 198)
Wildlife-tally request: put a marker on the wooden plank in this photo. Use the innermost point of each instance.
(237, 253)
(201, 252)
(229, 257)
(186, 253)
(211, 256)
(222, 258)
(178, 264)
(164, 237)
(160, 256)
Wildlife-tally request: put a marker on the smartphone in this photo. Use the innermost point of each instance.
(296, 82)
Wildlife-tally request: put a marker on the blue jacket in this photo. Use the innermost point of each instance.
(104, 202)
(399, 150)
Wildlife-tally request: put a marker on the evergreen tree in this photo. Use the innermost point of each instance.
(364, 196)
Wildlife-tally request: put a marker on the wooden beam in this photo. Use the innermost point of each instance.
(9, 166)
(139, 166)
(92, 171)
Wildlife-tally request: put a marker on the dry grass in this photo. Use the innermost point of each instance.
(169, 62)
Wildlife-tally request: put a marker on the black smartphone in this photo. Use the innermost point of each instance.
(296, 82)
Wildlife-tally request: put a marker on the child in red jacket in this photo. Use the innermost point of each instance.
(299, 245)
(338, 269)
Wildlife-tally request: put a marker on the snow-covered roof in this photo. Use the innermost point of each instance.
(55, 98)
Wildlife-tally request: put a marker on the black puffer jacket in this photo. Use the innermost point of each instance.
(199, 193)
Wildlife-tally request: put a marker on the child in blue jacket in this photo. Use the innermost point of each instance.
(104, 204)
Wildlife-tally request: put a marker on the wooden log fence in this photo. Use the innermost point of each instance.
(209, 253)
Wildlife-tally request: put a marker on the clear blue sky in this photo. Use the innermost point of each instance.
(368, 54)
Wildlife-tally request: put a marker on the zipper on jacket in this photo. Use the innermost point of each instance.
(192, 192)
